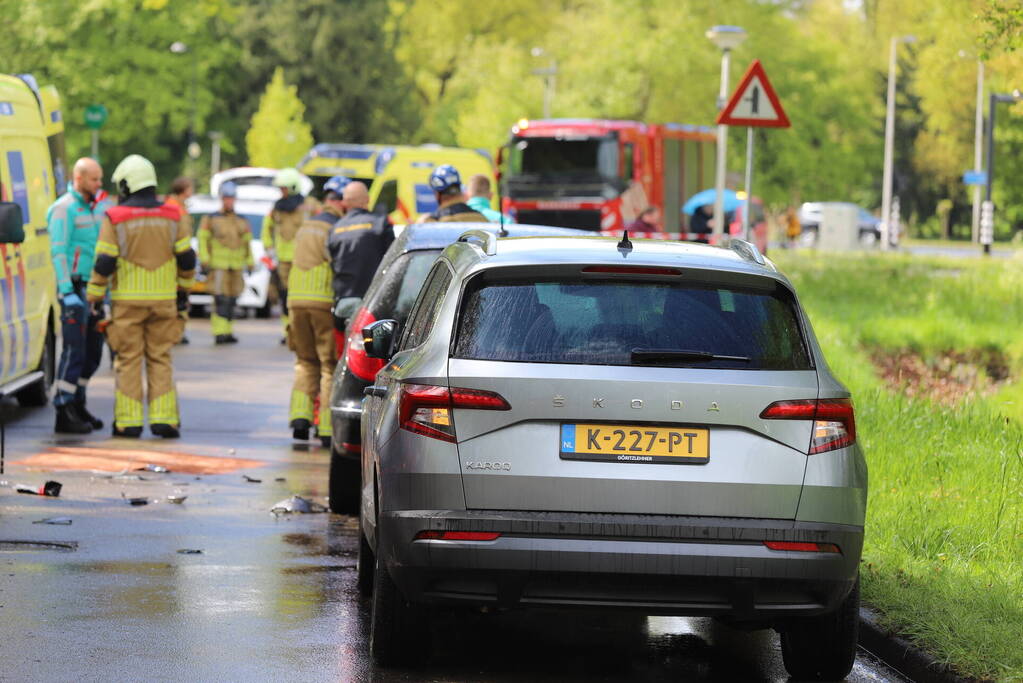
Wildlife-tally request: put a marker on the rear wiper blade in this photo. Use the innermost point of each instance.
(654, 355)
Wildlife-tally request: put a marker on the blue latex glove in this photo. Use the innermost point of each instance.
(72, 300)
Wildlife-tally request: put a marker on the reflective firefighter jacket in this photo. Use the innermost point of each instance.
(455, 212)
(224, 242)
(356, 245)
(73, 223)
(281, 226)
(144, 252)
(309, 283)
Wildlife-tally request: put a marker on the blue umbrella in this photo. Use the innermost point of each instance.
(731, 201)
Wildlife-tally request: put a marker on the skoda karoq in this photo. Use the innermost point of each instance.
(587, 422)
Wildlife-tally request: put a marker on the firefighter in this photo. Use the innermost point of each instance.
(279, 230)
(73, 223)
(446, 184)
(311, 332)
(357, 243)
(224, 248)
(144, 255)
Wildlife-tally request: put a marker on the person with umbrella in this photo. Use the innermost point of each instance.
(700, 208)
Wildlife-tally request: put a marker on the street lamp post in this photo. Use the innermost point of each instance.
(889, 144)
(994, 99)
(726, 38)
(180, 48)
(549, 73)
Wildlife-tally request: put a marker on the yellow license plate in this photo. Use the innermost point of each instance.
(635, 443)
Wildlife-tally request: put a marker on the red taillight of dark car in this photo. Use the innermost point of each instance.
(426, 410)
(361, 365)
(834, 422)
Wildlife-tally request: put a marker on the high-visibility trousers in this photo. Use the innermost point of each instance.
(227, 286)
(144, 331)
(311, 337)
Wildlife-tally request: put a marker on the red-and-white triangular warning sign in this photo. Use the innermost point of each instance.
(754, 102)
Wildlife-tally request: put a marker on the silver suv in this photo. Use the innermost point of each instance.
(581, 422)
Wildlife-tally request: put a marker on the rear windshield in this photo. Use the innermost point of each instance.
(631, 323)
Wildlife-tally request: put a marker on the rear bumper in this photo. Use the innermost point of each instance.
(658, 564)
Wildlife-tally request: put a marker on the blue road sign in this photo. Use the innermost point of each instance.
(975, 178)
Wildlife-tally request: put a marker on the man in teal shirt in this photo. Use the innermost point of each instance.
(73, 222)
(479, 199)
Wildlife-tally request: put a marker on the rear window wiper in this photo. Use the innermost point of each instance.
(654, 355)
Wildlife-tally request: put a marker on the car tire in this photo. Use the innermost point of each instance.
(398, 630)
(38, 393)
(344, 484)
(824, 648)
(364, 566)
(264, 311)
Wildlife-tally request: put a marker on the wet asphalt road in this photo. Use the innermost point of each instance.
(269, 598)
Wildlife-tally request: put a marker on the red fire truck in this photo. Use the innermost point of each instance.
(599, 174)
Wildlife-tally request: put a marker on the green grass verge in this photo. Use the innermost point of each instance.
(944, 538)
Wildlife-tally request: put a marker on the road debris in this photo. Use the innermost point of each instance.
(280, 479)
(134, 501)
(54, 520)
(50, 489)
(176, 499)
(251, 480)
(189, 551)
(153, 468)
(296, 504)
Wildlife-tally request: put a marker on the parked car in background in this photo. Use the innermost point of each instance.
(810, 220)
(256, 294)
(391, 294)
(569, 423)
(257, 180)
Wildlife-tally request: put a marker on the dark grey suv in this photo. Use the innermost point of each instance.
(581, 422)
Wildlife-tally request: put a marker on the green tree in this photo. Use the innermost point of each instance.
(279, 135)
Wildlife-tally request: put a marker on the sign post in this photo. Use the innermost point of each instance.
(95, 116)
(754, 104)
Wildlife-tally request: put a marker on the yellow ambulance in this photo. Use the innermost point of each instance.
(397, 175)
(33, 172)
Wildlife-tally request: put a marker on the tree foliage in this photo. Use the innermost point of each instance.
(279, 135)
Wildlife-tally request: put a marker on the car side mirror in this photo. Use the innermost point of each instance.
(12, 223)
(378, 338)
(344, 310)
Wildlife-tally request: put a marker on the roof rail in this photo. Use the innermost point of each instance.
(747, 250)
(483, 239)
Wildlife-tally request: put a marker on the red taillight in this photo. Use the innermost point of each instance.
(457, 536)
(427, 409)
(803, 546)
(632, 270)
(834, 422)
(361, 365)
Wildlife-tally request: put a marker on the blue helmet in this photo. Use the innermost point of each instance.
(444, 177)
(229, 189)
(336, 184)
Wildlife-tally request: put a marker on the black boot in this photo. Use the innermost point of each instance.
(300, 429)
(69, 422)
(221, 339)
(164, 430)
(231, 339)
(86, 416)
(325, 441)
(127, 432)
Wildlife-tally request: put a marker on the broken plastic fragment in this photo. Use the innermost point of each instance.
(280, 479)
(134, 501)
(297, 504)
(54, 520)
(176, 499)
(50, 489)
(153, 468)
(189, 551)
(251, 480)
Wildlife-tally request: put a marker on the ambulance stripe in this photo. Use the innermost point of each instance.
(19, 287)
(5, 284)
